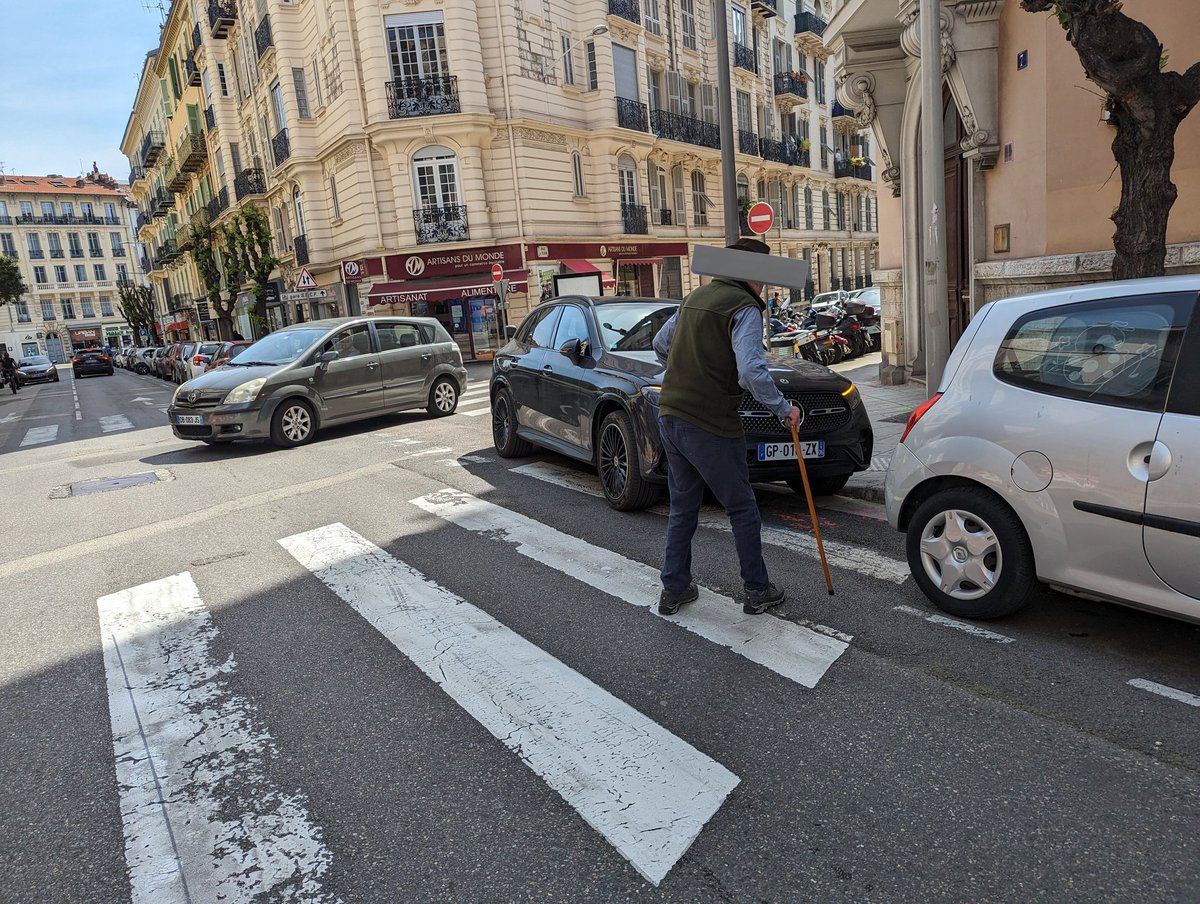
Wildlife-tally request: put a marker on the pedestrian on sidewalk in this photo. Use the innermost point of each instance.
(712, 348)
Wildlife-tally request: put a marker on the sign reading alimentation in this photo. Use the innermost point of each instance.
(452, 263)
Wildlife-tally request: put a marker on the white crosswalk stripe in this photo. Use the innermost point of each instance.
(791, 650)
(115, 422)
(479, 412)
(648, 792)
(842, 555)
(203, 821)
(35, 436)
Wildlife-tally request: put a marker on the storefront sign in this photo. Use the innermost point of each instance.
(412, 293)
(452, 263)
(352, 271)
(83, 335)
(582, 250)
(202, 312)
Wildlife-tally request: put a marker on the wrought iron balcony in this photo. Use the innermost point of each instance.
(263, 40)
(210, 118)
(840, 112)
(152, 147)
(57, 254)
(632, 115)
(191, 152)
(766, 8)
(119, 251)
(178, 302)
(300, 244)
(747, 142)
(144, 263)
(136, 174)
(141, 221)
(280, 148)
(221, 15)
(249, 182)
(630, 10)
(160, 204)
(677, 127)
(441, 224)
(848, 170)
(95, 251)
(218, 205)
(665, 217)
(196, 45)
(176, 178)
(786, 151)
(793, 83)
(6, 220)
(634, 219)
(190, 70)
(435, 96)
(77, 253)
(744, 58)
(809, 24)
(36, 254)
(112, 220)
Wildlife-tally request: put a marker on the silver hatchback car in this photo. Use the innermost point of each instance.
(1063, 447)
(290, 383)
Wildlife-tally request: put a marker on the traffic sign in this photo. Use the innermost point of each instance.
(305, 280)
(760, 218)
(497, 273)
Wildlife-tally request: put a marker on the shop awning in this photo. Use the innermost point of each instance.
(578, 266)
(177, 325)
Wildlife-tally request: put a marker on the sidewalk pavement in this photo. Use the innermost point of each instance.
(887, 406)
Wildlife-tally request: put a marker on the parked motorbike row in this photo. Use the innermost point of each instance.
(834, 327)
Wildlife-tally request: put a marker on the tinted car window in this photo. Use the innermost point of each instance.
(542, 332)
(631, 327)
(571, 325)
(349, 342)
(400, 335)
(1119, 352)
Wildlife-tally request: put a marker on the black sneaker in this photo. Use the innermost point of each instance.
(759, 601)
(670, 601)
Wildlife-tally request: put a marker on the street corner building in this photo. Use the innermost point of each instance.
(450, 158)
(1029, 170)
(71, 239)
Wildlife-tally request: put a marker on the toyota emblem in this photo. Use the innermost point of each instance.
(415, 265)
(192, 396)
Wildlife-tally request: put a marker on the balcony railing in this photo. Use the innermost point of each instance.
(786, 151)
(630, 10)
(6, 220)
(138, 223)
(634, 219)
(177, 179)
(160, 204)
(210, 118)
(190, 70)
(300, 245)
(848, 170)
(837, 111)
(665, 217)
(36, 254)
(152, 147)
(280, 147)
(791, 83)
(249, 182)
(744, 58)
(808, 23)
(441, 224)
(191, 152)
(435, 96)
(263, 40)
(747, 142)
(677, 127)
(218, 205)
(632, 115)
(57, 254)
(119, 251)
(765, 8)
(221, 16)
(10, 253)
(96, 251)
(77, 253)
(136, 174)
(196, 45)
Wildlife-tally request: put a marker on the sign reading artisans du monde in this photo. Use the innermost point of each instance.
(452, 263)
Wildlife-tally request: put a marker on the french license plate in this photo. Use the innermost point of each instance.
(192, 420)
(813, 448)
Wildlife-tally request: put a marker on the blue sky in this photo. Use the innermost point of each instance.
(69, 71)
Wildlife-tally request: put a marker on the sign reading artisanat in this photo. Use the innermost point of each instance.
(418, 291)
(557, 251)
(454, 262)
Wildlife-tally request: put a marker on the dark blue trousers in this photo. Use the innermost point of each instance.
(696, 457)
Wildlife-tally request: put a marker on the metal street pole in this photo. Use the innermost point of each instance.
(725, 121)
(933, 195)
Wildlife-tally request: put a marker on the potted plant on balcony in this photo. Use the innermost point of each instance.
(805, 144)
(858, 161)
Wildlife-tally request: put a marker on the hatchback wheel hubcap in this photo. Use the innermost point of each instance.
(443, 397)
(614, 461)
(296, 423)
(961, 555)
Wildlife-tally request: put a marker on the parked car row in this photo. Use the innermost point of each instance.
(180, 361)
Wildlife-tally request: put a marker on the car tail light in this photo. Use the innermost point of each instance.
(199, 359)
(74, 360)
(856, 326)
(104, 357)
(918, 414)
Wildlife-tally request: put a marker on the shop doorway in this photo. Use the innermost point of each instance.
(472, 322)
(54, 349)
(958, 257)
(635, 280)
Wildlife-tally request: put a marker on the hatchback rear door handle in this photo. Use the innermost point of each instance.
(372, 365)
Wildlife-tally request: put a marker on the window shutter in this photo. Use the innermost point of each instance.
(708, 102)
(301, 93)
(655, 197)
(674, 92)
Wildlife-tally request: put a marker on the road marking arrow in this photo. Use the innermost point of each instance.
(11, 417)
(143, 399)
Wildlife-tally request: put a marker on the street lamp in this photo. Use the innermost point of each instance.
(600, 29)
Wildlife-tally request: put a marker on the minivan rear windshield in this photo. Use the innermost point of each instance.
(283, 347)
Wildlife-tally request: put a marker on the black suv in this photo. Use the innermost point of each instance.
(91, 361)
(580, 377)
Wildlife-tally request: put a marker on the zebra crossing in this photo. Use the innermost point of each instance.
(179, 730)
(475, 401)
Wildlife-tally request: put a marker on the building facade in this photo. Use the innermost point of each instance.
(402, 149)
(71, 240)
(1030, 181)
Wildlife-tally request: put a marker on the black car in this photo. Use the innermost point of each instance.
(91, 361)
(580, 377)
(36, 369)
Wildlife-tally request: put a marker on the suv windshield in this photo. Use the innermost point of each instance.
(283, 347)
(631, 326)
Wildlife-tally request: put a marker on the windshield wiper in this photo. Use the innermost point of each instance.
(254, 363)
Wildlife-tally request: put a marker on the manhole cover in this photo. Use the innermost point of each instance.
(112, 483)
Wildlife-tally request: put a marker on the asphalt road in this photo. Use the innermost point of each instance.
(390, 666)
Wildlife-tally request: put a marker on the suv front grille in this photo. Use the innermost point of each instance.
(204, 399)
(824, 412)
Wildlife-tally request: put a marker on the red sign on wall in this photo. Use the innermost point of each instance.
(558, 251)
(454, 262)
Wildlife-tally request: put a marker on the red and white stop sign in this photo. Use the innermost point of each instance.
(497, 273)
(760, 217)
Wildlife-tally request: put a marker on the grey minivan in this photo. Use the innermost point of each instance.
(321, 373)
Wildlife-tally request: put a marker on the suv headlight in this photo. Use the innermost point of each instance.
(247, 392)
(852, 397)
(652, 394)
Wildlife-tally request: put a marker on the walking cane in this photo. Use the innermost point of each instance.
(812, 508)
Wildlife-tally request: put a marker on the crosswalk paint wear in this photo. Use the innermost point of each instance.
(648, 792)
(203, 822)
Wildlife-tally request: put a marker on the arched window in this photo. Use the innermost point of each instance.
(577, 172)
(627, 177)
(660, 213)
(699, 199)
(743, 187)
(435, 174)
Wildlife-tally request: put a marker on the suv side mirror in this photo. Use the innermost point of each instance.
(326, 357)
(510, 331)
(575, 349)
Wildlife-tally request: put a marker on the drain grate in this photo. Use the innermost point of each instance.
(106, 484)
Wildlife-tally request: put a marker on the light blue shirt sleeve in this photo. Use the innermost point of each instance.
(753, 376)
(662, 339)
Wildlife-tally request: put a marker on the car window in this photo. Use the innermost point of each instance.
(571, 325)
(542, 335)
(400, 335)
(349, 342)
(631, 327)
(1118, 352)
(234, 350)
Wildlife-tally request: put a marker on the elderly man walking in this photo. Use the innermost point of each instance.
(713, 349)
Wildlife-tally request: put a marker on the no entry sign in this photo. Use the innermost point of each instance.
(497, 273)
(760, 217)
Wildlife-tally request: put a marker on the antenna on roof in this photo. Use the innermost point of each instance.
(152, 5)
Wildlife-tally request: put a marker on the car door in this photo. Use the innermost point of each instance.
(564, 378)
(523, 367)
(1098, 372)
(405, 356)
(1171, 530)
(351, 385)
